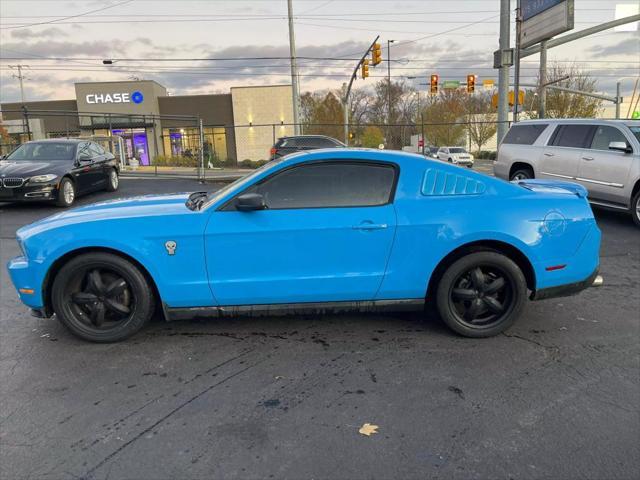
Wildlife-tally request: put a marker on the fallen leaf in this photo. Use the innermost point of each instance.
(368, 429)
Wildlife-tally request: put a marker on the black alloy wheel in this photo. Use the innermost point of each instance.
(481, 294)
(102, 297)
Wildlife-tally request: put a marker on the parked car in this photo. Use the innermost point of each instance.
(455, 155)
(431, 152)
(56, 170)
(332, 229)
(601, 155)
(286, 145)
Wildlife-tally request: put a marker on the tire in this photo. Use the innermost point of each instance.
(449, 160)
(522, 174)
(102, 297)
(473, 304)
(635, 208)
(66, 193)
(113, 181)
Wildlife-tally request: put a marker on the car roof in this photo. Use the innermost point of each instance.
(60, 140)
(575, 121)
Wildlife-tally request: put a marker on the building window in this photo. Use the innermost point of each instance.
(185, 142)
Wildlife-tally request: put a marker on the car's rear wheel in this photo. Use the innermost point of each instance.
(102, 297)
(522, 174)
(635, 208)
(113, 180)
(481, 294)
(66, 193)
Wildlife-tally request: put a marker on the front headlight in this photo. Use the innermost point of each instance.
(43, 178)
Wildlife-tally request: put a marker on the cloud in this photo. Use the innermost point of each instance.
(630, 46)
(29, 34)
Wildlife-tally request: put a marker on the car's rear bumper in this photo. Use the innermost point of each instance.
(568, 289)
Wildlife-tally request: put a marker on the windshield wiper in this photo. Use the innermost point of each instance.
(196, 200)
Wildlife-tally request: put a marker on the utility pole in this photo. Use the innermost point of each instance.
(503, 64)
(20, 77)
(542, 90)
(516, 73)
(294, 71)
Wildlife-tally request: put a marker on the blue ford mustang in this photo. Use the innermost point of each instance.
(324, 230)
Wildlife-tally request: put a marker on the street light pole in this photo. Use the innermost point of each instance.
(389, 42)
(294, 71)
(503, 72)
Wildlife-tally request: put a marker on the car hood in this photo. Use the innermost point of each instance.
(125, 208)
(24, 169)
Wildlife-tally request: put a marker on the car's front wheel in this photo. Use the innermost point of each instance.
(102, 297)
(635, 208)
(481, 294)
(113, 180)
(66, 193)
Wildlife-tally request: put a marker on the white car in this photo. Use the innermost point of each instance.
(456, 155)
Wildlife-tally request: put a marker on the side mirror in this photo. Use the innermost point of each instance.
(250, 202)
(620, 147)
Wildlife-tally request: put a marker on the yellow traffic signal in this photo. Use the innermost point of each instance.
(471, 83)
(434, 84)
(365, 68)
(376, 54)
(512, 98)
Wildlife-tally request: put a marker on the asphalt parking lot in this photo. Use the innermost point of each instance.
(556, 397)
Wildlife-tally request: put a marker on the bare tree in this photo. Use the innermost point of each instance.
(444, 118)
(569, 105)
(481, 119)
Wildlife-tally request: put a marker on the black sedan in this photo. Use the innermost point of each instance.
(56, 170)
(299, 143)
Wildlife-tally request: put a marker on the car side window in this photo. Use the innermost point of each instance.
(524, 134)
(572, 136)
(604, 135)
(327, 185)
(84, 153)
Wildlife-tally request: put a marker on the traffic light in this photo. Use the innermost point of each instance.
(365, 68)
(471, 83)
(376, 54)
(434, 84)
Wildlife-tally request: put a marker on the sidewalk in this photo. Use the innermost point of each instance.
(210, 174)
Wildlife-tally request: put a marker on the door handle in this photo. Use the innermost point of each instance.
(587, 158)
(370, 226)
(547, 154)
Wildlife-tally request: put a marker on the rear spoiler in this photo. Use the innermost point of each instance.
(551, 186)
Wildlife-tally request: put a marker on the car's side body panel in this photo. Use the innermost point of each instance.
(139, 229)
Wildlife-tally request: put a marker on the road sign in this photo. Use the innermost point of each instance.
(421, 143)
(543, 19)
(488, 83)
(636, 115)
(451, 84)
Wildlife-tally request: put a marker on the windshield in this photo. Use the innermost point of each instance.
(43, 151)
(238, 184)
(457, 150)
(635, 129)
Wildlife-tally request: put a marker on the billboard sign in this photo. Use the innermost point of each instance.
(543, 19)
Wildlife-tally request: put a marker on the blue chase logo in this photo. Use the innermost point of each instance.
(137, 97)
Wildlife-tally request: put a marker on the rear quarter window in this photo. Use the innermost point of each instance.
(524, 134)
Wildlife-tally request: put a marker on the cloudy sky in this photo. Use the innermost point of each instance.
(63, 42)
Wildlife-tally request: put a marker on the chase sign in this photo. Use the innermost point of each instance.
(124, 97)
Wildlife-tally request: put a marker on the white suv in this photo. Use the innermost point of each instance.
(457, 155)
(601, 155)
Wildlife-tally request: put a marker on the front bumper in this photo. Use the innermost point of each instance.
(30, 192)
(27, 281)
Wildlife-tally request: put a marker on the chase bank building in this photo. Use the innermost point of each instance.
(239, 125)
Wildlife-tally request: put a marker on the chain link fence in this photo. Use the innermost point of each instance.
(181, 145)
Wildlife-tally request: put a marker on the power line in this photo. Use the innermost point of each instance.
(70, 16)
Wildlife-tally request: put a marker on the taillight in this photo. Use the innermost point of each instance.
(273, 152)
